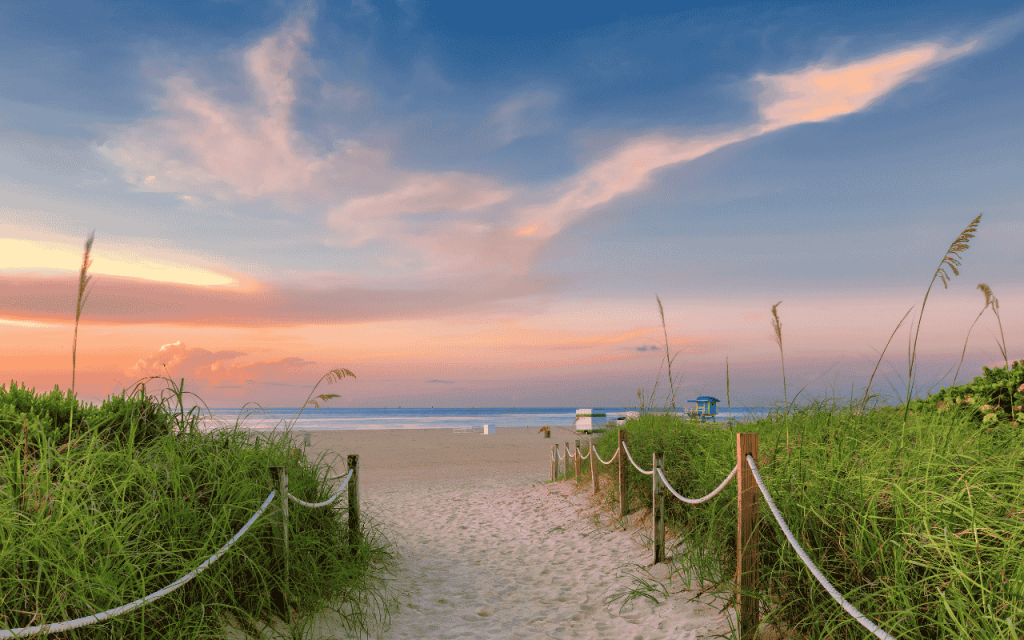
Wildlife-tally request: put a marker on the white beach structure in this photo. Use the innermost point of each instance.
(590, 420)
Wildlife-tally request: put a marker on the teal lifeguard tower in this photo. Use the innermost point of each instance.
(707, 408)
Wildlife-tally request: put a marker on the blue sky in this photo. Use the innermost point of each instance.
(475, 205)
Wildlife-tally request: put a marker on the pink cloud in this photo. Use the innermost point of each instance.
(116, 300)
(202, 144)
(812, 95)
(176, 360)
(823, 92)
(416, 193)
(626, 170)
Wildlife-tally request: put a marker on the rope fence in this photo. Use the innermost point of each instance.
(279, 488)
(749, 482)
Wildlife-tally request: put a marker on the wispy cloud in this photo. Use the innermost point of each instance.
(203, 145)
(814, 94)
(446, 221)
(114, 300)
(823, 92)
(40, 256)
(525, 114)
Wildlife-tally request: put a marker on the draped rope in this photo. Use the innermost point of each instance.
(125, 608)
(328, 500)
(610, 460)
(714, 493)
(858, 616)
(626, 449)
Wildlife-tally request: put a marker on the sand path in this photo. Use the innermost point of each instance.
(489, 550)
(502, 562)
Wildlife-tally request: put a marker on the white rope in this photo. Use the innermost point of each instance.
(582, 457)
(110, 613)
(610, 460)
(646, 473)
(861, 618)
(661, 474)
(328, 500)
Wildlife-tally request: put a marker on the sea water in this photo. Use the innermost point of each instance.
(312, 418)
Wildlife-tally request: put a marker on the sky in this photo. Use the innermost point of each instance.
(480, 204)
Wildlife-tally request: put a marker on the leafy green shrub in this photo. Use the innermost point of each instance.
(53, 415)
(995, 396)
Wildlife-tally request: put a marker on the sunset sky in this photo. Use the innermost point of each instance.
(476, 203)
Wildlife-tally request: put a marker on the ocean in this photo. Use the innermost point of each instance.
(313, 419)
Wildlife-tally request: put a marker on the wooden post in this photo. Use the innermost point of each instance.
(353, 503)
(576, 462)
(554, 461)
(593, 464)
(567, 459)
(622, 475)
(658, 508)
(279, 483)
(746, 537)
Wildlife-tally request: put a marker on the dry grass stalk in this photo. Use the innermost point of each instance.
(952, 260)
(868, 390)
(728, 397)
(989, 300)
(777, 326)
(995, 310)
(671, 384)
(83, 280)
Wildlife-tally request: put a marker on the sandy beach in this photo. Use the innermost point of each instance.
(489, 551)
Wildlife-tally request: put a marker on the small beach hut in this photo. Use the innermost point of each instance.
(707, 408)
(590, 420)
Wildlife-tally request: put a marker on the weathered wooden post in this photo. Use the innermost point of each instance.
(566, 459)
(279, 483)
(353, 503)
(554, 462)
(593, 464)
(746, 537)
(622, 474)
(658, 493)
(576, 462)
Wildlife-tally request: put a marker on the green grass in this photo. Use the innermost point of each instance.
(917, 518)
(97, 516)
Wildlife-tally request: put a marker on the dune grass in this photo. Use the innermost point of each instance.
(916, 517)
(103, 512)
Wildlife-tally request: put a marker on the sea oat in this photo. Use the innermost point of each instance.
(83, 280)
(989, 300)
(777, 327)
(952, 260)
